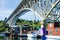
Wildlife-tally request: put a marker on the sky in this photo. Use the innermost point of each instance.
(8, 6)
(30, 16)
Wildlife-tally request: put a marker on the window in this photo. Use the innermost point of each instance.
(50, 25)
(56, 24)
(50, 32)
(56, 29)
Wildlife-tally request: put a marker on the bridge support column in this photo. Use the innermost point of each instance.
(43, 29)
(20, 30)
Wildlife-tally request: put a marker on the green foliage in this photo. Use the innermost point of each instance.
(2, 29)
(45, 24)
(2, 26)
(30, 23)
(1, 37)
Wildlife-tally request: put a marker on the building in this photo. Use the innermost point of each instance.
(54, 28)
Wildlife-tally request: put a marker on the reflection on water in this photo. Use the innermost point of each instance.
(26, 38)
(37, 39)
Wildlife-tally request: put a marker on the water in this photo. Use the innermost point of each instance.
(26, 38)
(38, 39)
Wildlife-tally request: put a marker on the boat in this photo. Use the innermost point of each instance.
(32, 35)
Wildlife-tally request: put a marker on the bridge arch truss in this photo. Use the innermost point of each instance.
(43, 8)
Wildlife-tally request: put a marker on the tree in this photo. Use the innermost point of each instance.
(2, 26)
(30, 23)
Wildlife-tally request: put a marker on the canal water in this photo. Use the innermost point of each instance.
(26, 38)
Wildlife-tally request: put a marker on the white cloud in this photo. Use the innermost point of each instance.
(5, 13)
(4, 10)
(3, 3)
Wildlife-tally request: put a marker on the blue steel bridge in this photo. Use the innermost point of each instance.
(45, 9)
